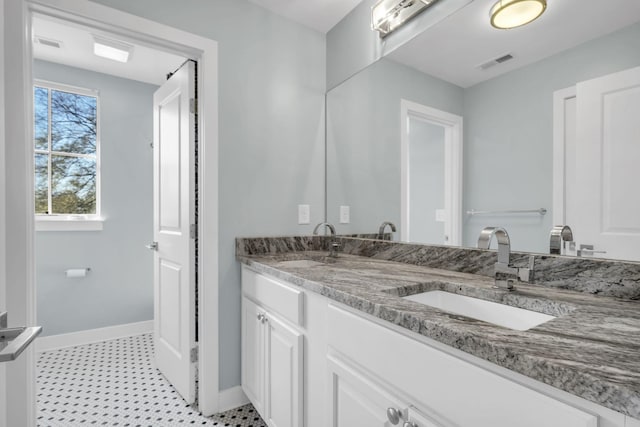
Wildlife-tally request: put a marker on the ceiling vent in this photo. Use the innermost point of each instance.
(48, 42)
(496, 61)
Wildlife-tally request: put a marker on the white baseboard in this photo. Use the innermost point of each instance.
(232, 398)
(54, 342)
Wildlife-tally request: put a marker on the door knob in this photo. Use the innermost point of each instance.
(152, 246)
(13, 341)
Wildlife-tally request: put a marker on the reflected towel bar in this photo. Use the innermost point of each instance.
(541, 211)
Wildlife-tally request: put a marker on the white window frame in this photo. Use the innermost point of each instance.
(71, 222)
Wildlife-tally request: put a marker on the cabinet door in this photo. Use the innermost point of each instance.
(421, 420)
(253, 360)
(284, 374)
(355, 401)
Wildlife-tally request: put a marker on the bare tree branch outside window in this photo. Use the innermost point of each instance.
(65, 136)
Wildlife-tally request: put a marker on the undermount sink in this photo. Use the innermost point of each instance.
(300, 263)
(507, 316)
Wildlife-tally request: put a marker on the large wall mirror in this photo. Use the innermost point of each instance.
(572, 75)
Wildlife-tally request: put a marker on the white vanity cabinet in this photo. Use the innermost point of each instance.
(439, 384)
(272, 350)
(308, 361)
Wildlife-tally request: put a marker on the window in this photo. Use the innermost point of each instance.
(66, 143)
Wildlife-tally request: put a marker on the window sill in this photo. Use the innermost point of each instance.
(63, 223)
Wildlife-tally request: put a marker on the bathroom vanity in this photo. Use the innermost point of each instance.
(335, 342)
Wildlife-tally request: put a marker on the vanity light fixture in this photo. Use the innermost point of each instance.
(111, 49)
(506, 14)
(388, 15)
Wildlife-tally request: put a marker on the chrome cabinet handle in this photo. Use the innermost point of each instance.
(410, 424)
(393, 415)
(152, 246)
(261, 317)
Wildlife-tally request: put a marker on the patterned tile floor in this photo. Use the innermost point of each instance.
(115, 383)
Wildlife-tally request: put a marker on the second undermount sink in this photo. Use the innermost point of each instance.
(300, 263)
(507, 316)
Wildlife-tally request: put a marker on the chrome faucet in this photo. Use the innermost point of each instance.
(383, 226)
(558, 235)
(333, 245)
(504, 273)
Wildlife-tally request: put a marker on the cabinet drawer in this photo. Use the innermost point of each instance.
(443, 384)
(268, 292)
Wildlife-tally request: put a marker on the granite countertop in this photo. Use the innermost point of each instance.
(591, 349)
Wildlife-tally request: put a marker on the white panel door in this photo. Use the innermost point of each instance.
(174, 212)
(608, 165)
(284, 374)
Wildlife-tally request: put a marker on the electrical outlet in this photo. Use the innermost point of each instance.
(304, 214)
(345, 214)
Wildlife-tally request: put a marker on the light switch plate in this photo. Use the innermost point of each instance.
(441, 215)
(345, 214)
(304, 214)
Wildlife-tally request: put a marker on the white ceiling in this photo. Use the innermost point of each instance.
(321, 15)
(454, 48)
(145, 64)
(451, 50)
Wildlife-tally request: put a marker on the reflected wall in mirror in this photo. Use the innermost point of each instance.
(363, 140)
(508, 148)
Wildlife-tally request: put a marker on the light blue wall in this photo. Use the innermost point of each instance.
(119, 288)
(509, 135)
(363, 140)
(271, 101)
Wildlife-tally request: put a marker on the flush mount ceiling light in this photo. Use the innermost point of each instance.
(507, 14)
(111, 49)
(388, 15)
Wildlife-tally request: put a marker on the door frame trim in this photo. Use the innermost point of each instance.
(559, 152)
(20, 155)
(452, 124)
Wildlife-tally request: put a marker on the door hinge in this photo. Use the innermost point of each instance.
(193, 231)
(193, 105)
(194, 354)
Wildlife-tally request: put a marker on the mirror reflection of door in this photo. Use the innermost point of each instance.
(431, 175)
(426, 177)
(596, 158)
